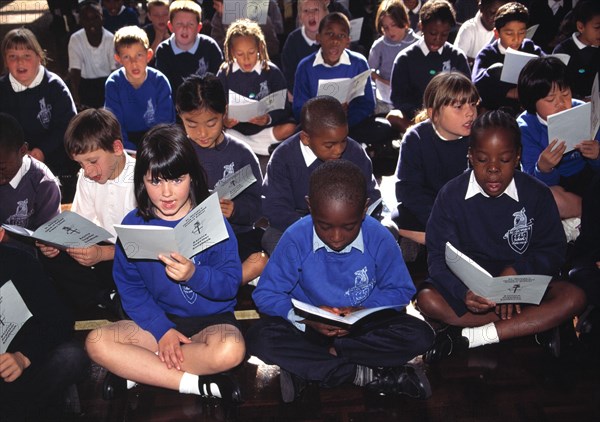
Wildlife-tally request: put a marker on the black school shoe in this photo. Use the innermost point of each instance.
(447, 341)
(291, 386)
(409, 380)
(220, 386)
(113, 386)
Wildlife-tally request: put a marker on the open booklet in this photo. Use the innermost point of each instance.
(515, 61)
(13, 314)
(256, 10)
(67, 230)
(528, 288)
(236, 183)
(243, 108)
(576, 124)
(202, 228)
(315, 313)
(356, 29)
(344, 89)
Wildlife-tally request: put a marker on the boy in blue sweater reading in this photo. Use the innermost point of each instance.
(508, 223)
(341, 261)
(324, 137)
(416, 65)
(510, 28)
(138, 95)
(334, 61)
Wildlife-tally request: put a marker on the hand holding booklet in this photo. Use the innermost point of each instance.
(344, 89)
(528, 288)
(67, 230)
(202, 228)
(315, 313)
(233, 185)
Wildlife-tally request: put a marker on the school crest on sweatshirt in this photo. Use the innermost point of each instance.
(21, 215)
(202, 67)
(45, 114)
(228, 170)
(362, 287)
(519, 236)
(149, 114)
(263, 90)
(189, 295)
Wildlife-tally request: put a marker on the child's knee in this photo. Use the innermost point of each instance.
(95, 343)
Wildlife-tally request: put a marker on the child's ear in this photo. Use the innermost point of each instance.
(199, 27)
(470, 156)
(23, 149)
(149, 55)
(318, 37)
(430, 113)
(170, 26)
(304, 138)
(118, 59)
(496, 34)
(580, 26)
(118, 147)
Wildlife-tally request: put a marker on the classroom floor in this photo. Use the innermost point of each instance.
(513, 381)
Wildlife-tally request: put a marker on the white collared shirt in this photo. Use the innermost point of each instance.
(308, 40)
(344, 59)
(417, 8)
(357, 244)
(25, 166)
(257, 67)
(425, 50)
(19, 87)
(501, 48)
(555, 5)
(474, 188)
(579, 44)
(177, 50)
(307, 153)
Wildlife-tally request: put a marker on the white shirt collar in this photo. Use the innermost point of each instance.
(555, 5)
(501, 48)
(542, 121)
(19, 87)
(417, 8)
(344, 59)
(257, 67)
(579, 44)
(177, 50)
(441, 137)
(25, 165)
(307, 153)
(425, 50)
(474, 188)
(357, 243)
(308, 40)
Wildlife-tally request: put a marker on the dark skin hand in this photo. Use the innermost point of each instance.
(331, 330)
(479, 305)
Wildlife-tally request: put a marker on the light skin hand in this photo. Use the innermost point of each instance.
(169, 348)
(12, 365)
(48, 251)
(178, 267)
(589, 149)
(229, 123)
(260, 120)
(227, 207)
(548, 158)
(3, 235)
(37, 154)
(477, 304)
(92, 255)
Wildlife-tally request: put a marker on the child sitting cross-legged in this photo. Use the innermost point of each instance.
(342, 261)
(508, 223)
(184, 333)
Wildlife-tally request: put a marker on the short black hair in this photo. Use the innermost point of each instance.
(495, 119)
(11, 133)
(167, 153)
(204, 92)
(337, 180)
(538, 77)
(586, 10)
(335, 17)
(437, 10)
(510, 12)
(322, 112)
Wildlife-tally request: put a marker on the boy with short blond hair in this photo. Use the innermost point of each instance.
(187, 51)
(104, 195)
(138, 95)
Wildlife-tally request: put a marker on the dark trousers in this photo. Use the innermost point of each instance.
(386, 342)
(80, 286)
(38, 394)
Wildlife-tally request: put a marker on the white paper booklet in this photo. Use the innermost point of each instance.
(344, 89)
(256, 10)
(373, 206)
(515, 61)
(577, 123)
(384, 91)
(531, 31)
(315, 313)
(528, 288)
(356, 29)
(202, 228)
(67, 230)
(233, 185)
(13, 314)
(243, 108)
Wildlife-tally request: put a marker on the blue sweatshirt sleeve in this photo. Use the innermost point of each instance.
(441, 228)
(63, 109)
(534, 140)
(112, 101)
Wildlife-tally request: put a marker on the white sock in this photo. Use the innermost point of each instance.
(478, 336)
(189, 384)
(131, 384)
